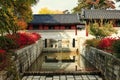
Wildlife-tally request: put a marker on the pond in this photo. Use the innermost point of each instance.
(61, 61)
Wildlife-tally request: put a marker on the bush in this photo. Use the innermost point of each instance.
(106, 43)
(103, 44)
(2, 55)
(6, 43)
(92, 42)
(116, 47)
(100, 30)
(22, 39)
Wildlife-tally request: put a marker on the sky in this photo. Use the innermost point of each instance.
(55, 5)
(117, 5)
(60, 5)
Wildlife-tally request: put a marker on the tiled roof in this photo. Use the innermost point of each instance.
(100, 14)
(55, 19)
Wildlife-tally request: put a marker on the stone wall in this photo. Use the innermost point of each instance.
(28, 55)
(25, 57)
(105, 62)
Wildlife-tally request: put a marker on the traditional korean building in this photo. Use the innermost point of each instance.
(98, 15)
(55, 22)
(73, 21)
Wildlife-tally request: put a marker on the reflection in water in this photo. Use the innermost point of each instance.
(61, 53)
(80, 63)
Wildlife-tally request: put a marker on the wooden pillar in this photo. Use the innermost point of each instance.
(30, 27)
(43, 27)
(62, 27)
(56, 27)
(114, 23)
(46, 27)
(86, 28)
(73, 27)
(75, 30)
(40, 27)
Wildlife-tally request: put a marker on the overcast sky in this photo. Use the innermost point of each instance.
(59, 5)
(55, 5)
(117, 5)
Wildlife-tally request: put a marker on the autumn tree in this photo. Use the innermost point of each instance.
(45, 10)
(21, 24)
(96, 4)
(101, 30)
(98, 30)
(11, 11)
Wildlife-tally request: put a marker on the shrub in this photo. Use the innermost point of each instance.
(22, 39)
(2, 55)
(116, 47)
(100, 30)
(103, 44)
(3, 59)
(6, 43)
(28, 38)
(106, 43)
(92, 42)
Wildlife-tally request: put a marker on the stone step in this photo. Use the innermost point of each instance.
(63, 77)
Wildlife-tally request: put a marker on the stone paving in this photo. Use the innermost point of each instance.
(63, 77)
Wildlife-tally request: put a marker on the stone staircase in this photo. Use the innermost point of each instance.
(63, 77)
(76, 75)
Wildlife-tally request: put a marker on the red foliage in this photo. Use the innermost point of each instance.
(27, 38)
(2, 55)
(106, 43)
(33, 36)
(2, 51)
(21, 39)
(3, 63)
(24, 38)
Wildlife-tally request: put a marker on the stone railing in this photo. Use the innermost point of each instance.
(105, 62)
(25, 57)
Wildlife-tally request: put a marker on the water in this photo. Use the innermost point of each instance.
(80, 64)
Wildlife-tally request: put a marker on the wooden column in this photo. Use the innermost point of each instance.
(46, 27)
(62, 27)
(86, 28)
(56, 27)
(30, 27)
(114, 23)
(40, 27)
(75, 31)
(74, 28)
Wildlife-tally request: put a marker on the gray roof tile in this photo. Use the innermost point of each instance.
(55, 19)
(101, 14)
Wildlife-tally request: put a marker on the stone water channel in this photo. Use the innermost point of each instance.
(61, 63)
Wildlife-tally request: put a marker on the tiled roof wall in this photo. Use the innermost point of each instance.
(102, 14)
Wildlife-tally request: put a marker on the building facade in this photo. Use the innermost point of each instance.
(55, 22)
